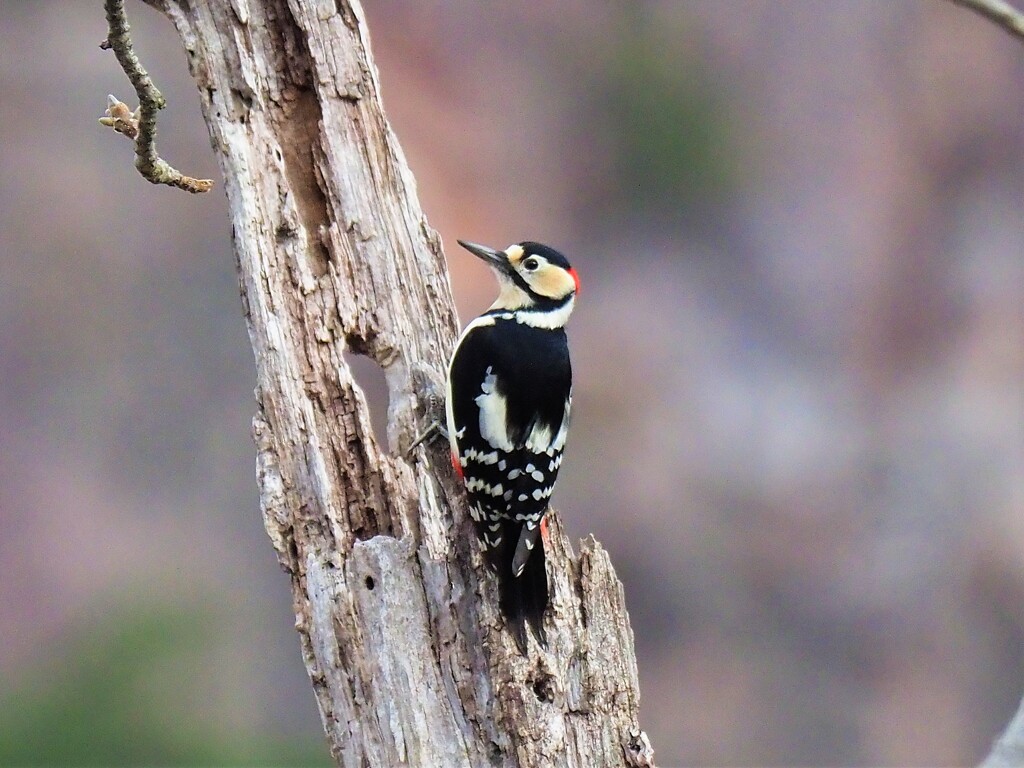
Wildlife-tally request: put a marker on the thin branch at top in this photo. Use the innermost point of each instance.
(999, 12)
(140, 125)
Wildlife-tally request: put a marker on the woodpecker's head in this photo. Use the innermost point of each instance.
(530, 276)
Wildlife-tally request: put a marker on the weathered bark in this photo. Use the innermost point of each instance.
(397, 615)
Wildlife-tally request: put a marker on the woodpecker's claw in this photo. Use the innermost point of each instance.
(434, 429)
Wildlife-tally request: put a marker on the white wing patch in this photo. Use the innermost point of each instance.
(542, 439)
(539, 439)
(493, 411)
(472, 454)
(449, 405)
(558, 443)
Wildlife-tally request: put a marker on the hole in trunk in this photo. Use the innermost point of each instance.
(544, 687)
(369, 377)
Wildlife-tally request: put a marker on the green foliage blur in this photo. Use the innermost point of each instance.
(132, 688)
(671, 137)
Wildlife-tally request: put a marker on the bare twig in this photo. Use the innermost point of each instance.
(141, 124)
(999, 12)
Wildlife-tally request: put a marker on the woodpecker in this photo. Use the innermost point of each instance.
(509, 393)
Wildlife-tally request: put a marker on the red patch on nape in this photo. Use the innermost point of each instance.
(575, 278)
(457, 466)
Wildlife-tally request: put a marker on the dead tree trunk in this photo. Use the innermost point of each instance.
(396, 613)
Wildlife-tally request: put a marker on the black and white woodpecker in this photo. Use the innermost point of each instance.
(508, 401)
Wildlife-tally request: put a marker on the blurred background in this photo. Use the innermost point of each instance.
(799, 418)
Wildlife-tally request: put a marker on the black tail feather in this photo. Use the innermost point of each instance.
(524, 598)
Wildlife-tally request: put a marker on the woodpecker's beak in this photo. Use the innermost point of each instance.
(495, 258)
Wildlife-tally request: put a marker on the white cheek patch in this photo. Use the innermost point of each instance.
(493, 411)
(510, 295)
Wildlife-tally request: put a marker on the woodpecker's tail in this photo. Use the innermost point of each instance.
(524, 598)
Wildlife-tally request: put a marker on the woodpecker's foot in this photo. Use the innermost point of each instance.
(434, 429)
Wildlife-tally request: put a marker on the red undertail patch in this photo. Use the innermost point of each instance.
(457, 466)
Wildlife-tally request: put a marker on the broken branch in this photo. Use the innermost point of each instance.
(140, 125)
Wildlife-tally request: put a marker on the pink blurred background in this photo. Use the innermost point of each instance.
(799, 419)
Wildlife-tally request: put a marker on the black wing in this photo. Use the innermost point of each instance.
(510, 395)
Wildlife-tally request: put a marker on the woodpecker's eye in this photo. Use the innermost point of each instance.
(530, 264)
